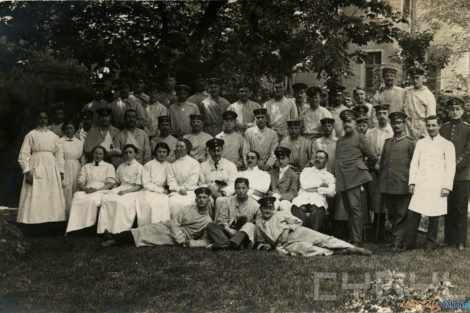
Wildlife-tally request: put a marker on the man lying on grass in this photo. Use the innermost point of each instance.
(283, 232)
(185, 229)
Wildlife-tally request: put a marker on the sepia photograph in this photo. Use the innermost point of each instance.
(225, 156)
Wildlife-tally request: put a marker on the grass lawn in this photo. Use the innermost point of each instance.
(78, 275)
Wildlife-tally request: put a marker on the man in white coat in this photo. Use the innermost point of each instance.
(431, 179)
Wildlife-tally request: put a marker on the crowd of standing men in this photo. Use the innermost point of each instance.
(198, 170)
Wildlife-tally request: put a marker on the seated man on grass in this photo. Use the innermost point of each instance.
(186, 228)
(283, 232)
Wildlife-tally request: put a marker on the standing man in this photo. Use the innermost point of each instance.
(299, 146)
(200, 87)
(279, 110)
(392, 95)
(458, 132)
(262, 140)
(213, 107)
(138, 91)
(419, 104)
(198, 138)
(57, 117)
(86, 122)
(352, 173)
(124, 103)
(164, 127)
(432, 173)
(180, 112)
(244, 108)
(335, 110)
(234, 226)
(217, 173)
(153, 110)
(393, 170)
(101, 135)
(359, 95)
(312, 115)
(299, 96)
(233, 148)
(169, 97)
(327, 143)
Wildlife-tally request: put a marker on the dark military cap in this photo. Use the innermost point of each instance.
(281, 151)
(397, 116)
(203, 190)
(104, 111)
(196, 116)
(57, 106)
(86, 114)
(229, 115)
(163, 119)
(299, 86)
(182, 87)
(455, 101)
(360, 109)
(313, 91)
(215, 143)
(382, 107)
(267, 201)
(294, 122)
(389, 68)
(417, 71)
(348, 115)
(213, 81)
(362, 120)
(327, 120)
(261, 111)
(154, 86)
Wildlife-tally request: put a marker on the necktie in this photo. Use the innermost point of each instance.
(97, 163)
(216, 164)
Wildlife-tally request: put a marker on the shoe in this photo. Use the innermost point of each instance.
(108, 243)
(357, 244)
(107, 235)
(361, 251)
(216, 247)
(461, 247)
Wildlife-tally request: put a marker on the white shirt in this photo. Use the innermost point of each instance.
(226, 171)
(184, 174)
(259, 180)
(311, 177)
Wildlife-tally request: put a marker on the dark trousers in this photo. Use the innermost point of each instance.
(352, 199)
(219, 237)
(412, 222)
(455, 230)
(311, 216)
(49, 229)
(397, 209)
(123, 238)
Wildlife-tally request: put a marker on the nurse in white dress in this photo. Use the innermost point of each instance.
(73, 151)
(42, 160)
(154, 201)
(119, 207)
(94, 181)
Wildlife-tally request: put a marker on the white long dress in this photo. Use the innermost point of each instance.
(154, 204)
(184, 175)
(84, 208)
(73, 150)
(432, 168)
(117, 212)
(43, 201)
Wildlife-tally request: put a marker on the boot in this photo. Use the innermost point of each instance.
(378, 227)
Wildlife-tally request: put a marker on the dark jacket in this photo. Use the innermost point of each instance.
(458, 132)
(288, 185)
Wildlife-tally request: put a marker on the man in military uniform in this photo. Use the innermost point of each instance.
(458, 132)
(299, 96)
(352, 173)
(300, 146)
(233, 147)
(164, 127)
(181, 111)
(392, 95)
(244, 108)
(212, 108)
(394, 169)
(198, 138)
(313, 113)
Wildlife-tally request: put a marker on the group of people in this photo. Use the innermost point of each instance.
(157, 168)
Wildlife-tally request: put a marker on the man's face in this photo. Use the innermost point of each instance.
(389, 78)
(180, 149)
(278, 90)
(348, 102)
(161, 154)
(214, 90)
(398, 126)
(349, 126)
(241, 189)
(251, 159)
(283, 160)
(104, 120)
(87, 122)
(139, 86)
(320, 160)
(327, 129)
(164, 127)
(196, 124)
(182, 95)
(124, 92)
(202, 200)
(382, 116)
(243, 94)
(467, 106)
(169, 83)
(455, 112)
(359, 96)
(418, 81)
(267, 211)
(216, 153)
(314, 100)
(362, 128)
(294, 131)
(130, 118)
(42, 119)
(260, 121)
(59, 116)
(299, 95)
(432, 127)
(229, 125)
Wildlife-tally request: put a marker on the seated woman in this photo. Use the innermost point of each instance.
(119, 207)
(284, 232)
(154, 201)
(94, 180)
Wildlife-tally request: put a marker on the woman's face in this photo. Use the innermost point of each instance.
(42, 119)
(70, 130)
(98, 155)
(180, 150)
(129, 154)
(161, 154)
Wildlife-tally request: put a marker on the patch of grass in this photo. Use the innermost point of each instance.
(78, 275)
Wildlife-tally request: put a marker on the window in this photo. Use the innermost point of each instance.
(373, 61)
